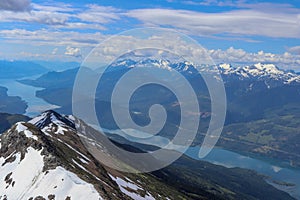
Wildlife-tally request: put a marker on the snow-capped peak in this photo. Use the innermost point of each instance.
(36, 163)
(51, 116)
(259, 71)
(225, 66)
(262, 69)
(179, 65)
(52, 122)
(57, 167)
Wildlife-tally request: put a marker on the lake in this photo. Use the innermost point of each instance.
(27, 93)
(276, 170)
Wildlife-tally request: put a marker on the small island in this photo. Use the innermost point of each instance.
(282, 183)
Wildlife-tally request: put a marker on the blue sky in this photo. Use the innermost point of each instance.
(231, 30)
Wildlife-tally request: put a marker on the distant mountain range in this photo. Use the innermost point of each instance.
(262, 97)
(255, 72)
(20, 69)
(17, 69)
(261, 72)
(45, 158)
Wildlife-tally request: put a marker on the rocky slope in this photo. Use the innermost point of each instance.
(45, 159)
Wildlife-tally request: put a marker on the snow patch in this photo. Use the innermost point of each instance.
(123, 185)
(276, 169)
(83, 161)
(29, 134)
(71, 117)
(63, 183)
(225, 66)
(83, 156)
(24, 174)
(27, 179)
(38, 120)
(21, 128)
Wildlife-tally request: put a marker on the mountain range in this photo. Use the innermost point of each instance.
(261, 97)
(20, 69)
(45, 158)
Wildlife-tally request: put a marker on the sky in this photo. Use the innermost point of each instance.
(232, 31)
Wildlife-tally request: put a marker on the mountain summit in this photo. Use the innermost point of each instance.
(254, 72)
(41, 164)
(259, 71)
(45, 159)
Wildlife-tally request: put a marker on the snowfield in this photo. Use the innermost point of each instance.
(23, 179)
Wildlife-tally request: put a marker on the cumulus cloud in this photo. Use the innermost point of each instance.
(266, 19)
(15, 5)
(75, 42)
(232, 55)
(39, 17)
(174, 44)
(73, 51)
(51, 38)
(62, 15)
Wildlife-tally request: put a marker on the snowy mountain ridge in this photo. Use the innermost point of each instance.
(45, 159)
(258, 71)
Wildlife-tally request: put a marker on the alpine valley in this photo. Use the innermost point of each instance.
(44, 158)
(263, 106)
(150, 100)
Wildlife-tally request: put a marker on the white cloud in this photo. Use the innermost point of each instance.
(294, 50)
(43, 56)
(57, 7)
(64, 23)
(73, 51)
(50, 37)
(245, 22)
(64, 16)
(77, 42)
(15, 5)
(173, 44)
(79, 25)
(207, 2)
(99, 14)
(232, 55)
(40, 17)
(54, 52)
(263, 6)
